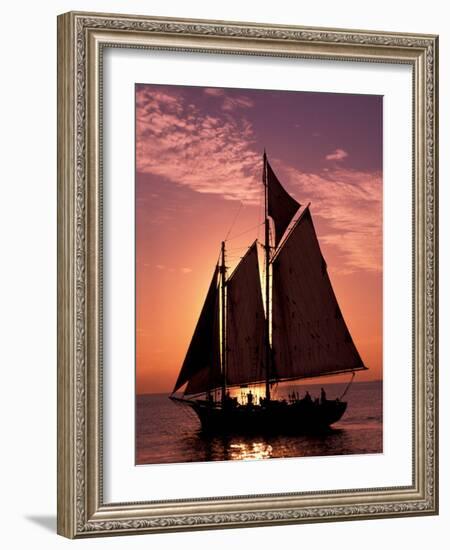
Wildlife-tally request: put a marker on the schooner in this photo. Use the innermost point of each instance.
(296, 332)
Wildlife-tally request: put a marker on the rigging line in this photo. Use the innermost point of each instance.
(234, 220)
(218, 258)
(238, 248)
(238, 254)
(348, 385)
(244, 232)
(235, 260)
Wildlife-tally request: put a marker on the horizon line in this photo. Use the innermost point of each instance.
(311, 384)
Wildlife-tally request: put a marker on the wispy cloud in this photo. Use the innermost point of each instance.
(337, 154)
(240, 102)
(210, 154)
(161, 267)
(215, 92)
(216, 153)
(349, 205)
(230, 102)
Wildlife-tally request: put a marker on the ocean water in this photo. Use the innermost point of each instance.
(167, 432)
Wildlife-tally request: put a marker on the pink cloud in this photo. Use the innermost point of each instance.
(232, 103)
(216, 154)
(337, 154)
(216, 92)
(348, 205)
(210, 154)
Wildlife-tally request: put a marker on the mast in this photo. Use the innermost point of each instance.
(267, 277)
(222, 321)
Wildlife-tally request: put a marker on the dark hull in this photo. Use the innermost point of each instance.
(277, 417)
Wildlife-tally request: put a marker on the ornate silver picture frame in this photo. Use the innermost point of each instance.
(82, 40)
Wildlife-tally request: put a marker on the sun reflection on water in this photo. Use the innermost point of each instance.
(246, 451)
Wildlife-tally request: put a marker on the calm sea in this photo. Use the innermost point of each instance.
(167, 432)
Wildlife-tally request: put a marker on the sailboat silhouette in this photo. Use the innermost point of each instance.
(296, 332)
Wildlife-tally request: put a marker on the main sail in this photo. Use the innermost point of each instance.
(309, 335)
(201, 366)
(245, 323)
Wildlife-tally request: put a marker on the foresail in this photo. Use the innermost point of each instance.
(309, 335)
(203, 381)
(201, 366)
(281, 207)
(245, 322)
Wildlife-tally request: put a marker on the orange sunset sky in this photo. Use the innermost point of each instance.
(198, 174)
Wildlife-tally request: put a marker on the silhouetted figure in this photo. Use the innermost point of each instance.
(307, 397)
(250, 397)
(323, 395)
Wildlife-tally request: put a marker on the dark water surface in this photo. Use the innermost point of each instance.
(167, 432)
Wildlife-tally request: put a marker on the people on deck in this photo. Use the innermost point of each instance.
(323, 395)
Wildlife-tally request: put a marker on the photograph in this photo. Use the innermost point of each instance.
(259, 274)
